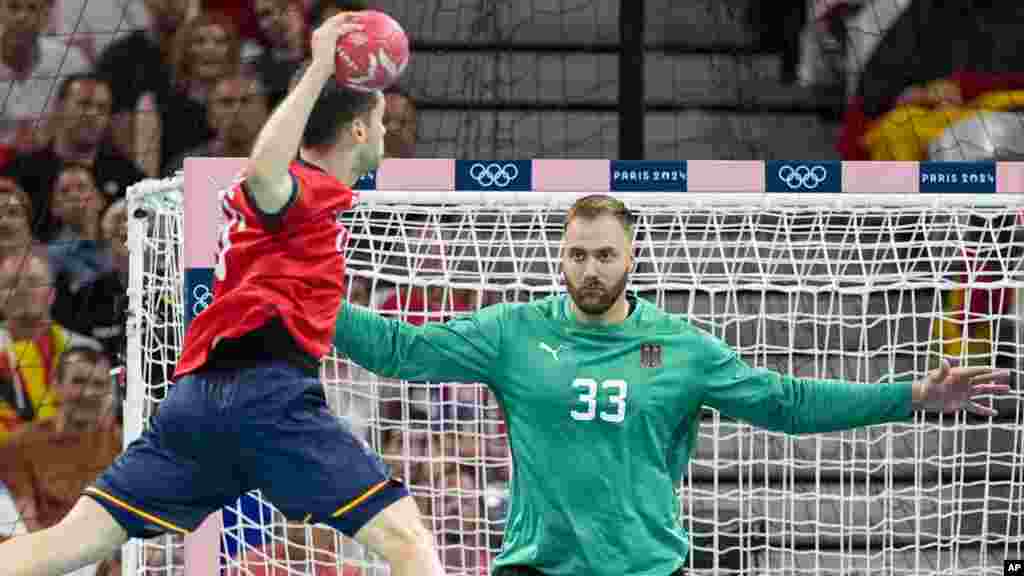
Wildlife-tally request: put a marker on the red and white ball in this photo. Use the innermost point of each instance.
(372, 58)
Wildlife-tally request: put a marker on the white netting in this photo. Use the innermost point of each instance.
(822, 286)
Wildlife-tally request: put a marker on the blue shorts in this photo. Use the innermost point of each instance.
(222, 433)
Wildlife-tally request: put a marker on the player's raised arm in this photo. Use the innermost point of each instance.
(461, 350)
(267, 177)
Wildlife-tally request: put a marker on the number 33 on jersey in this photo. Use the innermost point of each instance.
(606, 397)
(605, 400)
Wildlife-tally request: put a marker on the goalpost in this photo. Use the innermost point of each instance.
(862, 271)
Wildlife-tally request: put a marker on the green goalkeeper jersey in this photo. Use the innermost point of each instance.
(602, 419)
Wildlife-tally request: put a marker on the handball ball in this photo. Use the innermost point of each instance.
(372, 58)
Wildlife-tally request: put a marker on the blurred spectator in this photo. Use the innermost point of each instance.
(90, 261)
(922, 115)
(32, 342)
(936, 39)
(206, 49)
(241, 13)
(140, 63)
(325, 9)
(48, 463)
(76, 204)
(15, 218)
(99, 308)
(937, 61)
(857, 26)
(76, 255)
(401, 124)
(29, 65)
(824, 46)
(82, 120)
(236, 111)
(92, 26)
(282, 47)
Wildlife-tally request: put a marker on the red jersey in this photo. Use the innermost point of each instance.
(291, 269)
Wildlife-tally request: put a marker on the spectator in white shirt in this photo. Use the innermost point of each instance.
(31, 66)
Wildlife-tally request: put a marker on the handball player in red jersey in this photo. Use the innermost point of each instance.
(247, 410)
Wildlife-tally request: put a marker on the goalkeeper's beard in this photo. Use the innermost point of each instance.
(598, 301)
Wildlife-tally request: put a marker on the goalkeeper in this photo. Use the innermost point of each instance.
(602, 393)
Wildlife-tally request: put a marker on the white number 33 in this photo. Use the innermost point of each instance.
(588, 395)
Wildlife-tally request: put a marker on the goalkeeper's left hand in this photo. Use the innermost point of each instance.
(948, 389)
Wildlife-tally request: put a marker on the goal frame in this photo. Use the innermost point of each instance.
(548, 182)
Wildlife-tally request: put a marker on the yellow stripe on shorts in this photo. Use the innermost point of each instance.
(93, 491)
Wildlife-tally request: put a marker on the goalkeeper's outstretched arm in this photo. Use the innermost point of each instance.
(462, 350)
(793, 405)
(784, 403)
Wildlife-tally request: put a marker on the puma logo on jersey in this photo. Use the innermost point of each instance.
(554, 351)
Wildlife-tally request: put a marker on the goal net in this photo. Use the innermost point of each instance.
(866, 287)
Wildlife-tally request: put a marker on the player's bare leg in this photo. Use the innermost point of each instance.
(87, 535)
(398, 534)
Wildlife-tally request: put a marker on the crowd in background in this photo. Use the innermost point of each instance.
(80, 122)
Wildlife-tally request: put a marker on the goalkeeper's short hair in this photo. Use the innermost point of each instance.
(596, 205)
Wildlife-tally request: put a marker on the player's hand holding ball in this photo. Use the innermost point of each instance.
(374, 56)
(326, 38)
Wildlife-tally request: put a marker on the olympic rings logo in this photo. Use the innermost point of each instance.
(802, 176)
(202, 296)
(497, 175)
